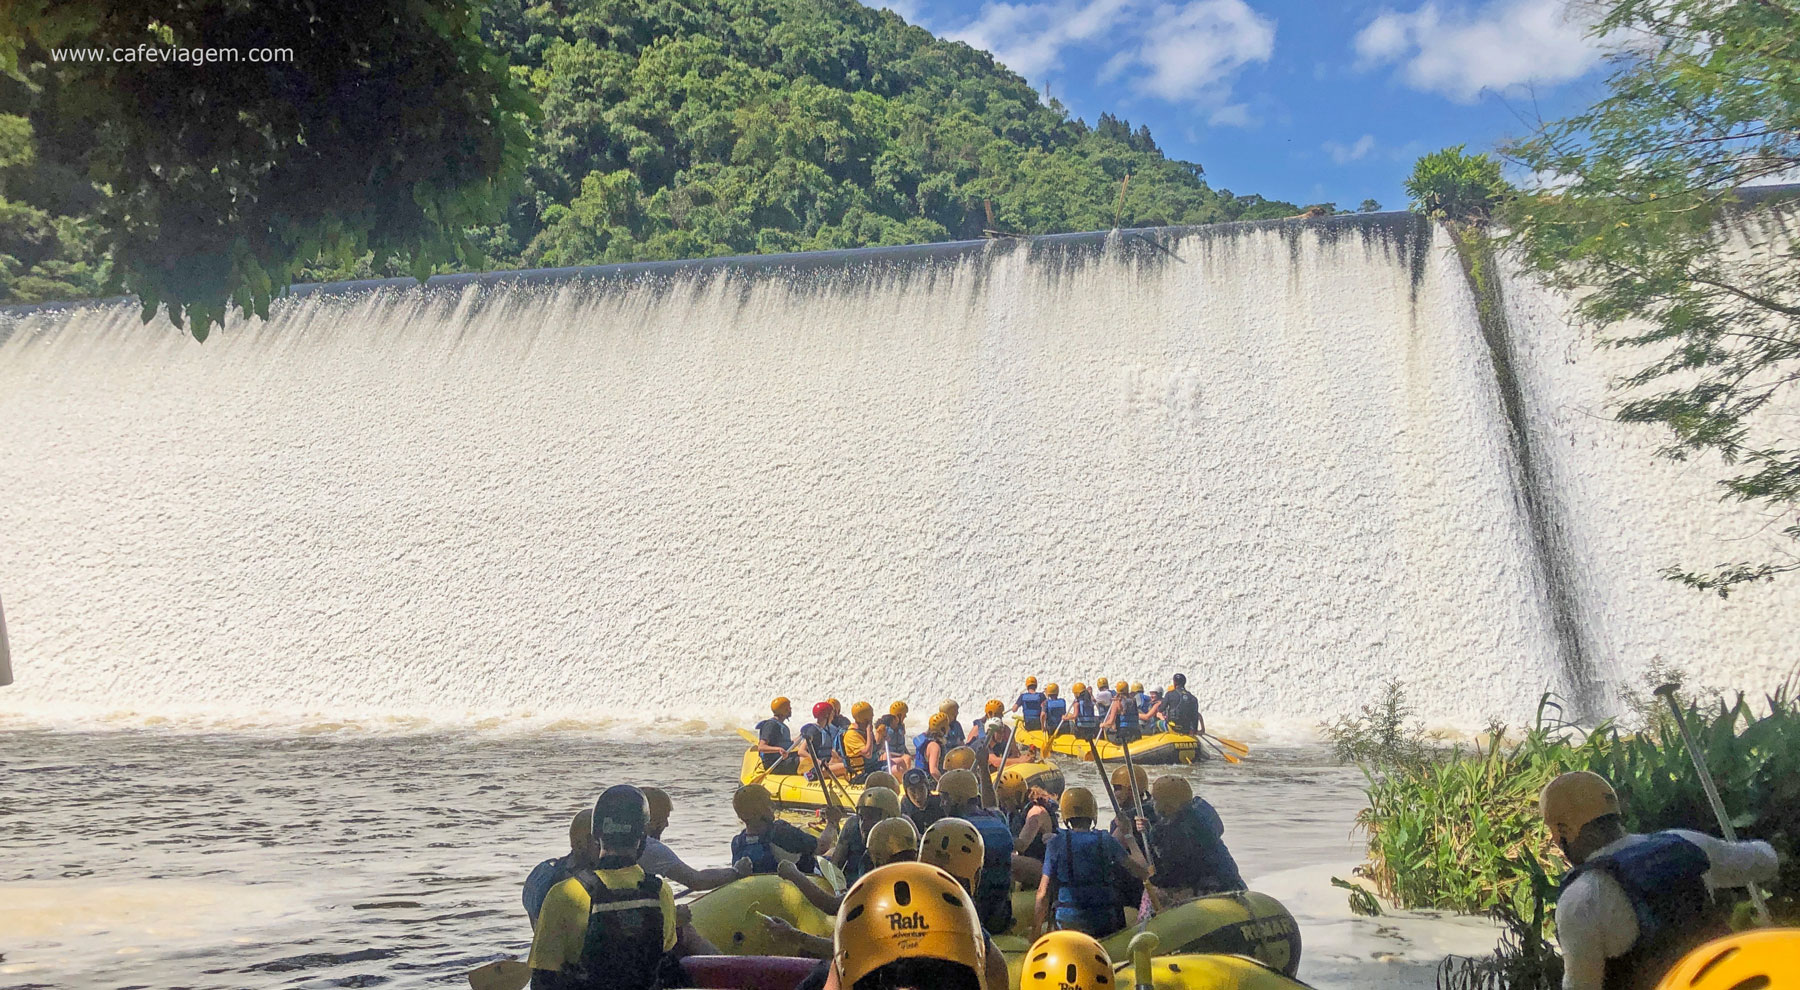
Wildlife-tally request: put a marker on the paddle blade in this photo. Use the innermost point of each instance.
(1229, 756)
(502, 974)
(1242, 749)
(749, 737)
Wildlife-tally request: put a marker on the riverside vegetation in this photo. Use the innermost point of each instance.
(1457, 828)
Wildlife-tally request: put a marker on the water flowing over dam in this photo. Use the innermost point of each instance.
(1286, 458)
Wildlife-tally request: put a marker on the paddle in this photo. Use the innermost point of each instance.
(1138, 800)
(1233, 744)
(1667, 692)
(1229, 756)
(754, 739)
(1119, 815)
(501, 974)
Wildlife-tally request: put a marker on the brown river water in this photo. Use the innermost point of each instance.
(356, 859)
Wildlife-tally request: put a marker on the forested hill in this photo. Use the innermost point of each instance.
(693, 128)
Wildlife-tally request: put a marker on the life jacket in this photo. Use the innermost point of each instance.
(1143, 703)
(1054, 709)
(897, 739)
(953, 735)
(1127, 728)
(760, 849)
(623, 947)
(1086, 876)
(829, 737)
(858, 765)
(782, 739)
(1086, 718)
(1183, 710)
(856, 846)
(923, 818)
(993, 885)
(1016, 822)
(1031, 704)
(1191, 852)
(1663, 878)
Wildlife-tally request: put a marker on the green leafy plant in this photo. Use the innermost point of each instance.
(1454, 185)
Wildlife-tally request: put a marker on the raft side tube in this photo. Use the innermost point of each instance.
(1210, 972)
(747, 972)
(730, 917)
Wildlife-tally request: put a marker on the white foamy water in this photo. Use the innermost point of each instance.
(1274, 457)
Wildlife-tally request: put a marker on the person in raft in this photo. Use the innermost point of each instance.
(1189, 842)
(1081, 870)
(1055, 708)
(1103, 696)
(766, 841)
(933, 746)
(953, 730)
(1087, 716)
(910, 926)
(1635, 904)
(819, 741)
(611, 927)
(1067, 961)
(895, 745)
(952, 845)
(1182, 710)
(551, 872)
(659, 859)
(838, 721)
(920, 805)
(1030, 705)
(856, 747)
(1121, 723)
(992, 882)
(773, 740)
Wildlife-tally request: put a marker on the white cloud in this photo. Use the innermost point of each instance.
(1182, 52)
(1189, 51)
(1357, 150)
(1029, 38)
(1461, 52)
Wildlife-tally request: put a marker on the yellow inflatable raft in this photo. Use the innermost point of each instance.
(730, 916)
(795, 791)
(1156, 749)
(1245, 923)
(1210, 972)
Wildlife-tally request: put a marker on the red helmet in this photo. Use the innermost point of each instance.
(822, 709)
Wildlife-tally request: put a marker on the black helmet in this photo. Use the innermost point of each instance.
(1180, 680)
(620, 817)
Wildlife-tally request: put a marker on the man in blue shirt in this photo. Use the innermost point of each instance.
(582, 856)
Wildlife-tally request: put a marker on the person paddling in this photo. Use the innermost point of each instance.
(612, 926)
(819, 741)
(1188, 839)
(1182, 709)
(1081, 869)
(1121, 722)
(773, 740)
(1635, 904)
(1055, 708)
(1030, 706)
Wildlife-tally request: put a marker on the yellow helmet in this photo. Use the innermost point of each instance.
(881, 799)
(957, 787)
(949, 707)
(1030, 682)
(881, 778)
(581, 830)
(937, 723)
(1137, 687)
(955, 846)
(1121, 777)
(862, 711)
(1051, 690)
(1168, 689)
(1763, 957)
(892, 838)
(1011, 787)
(1078, 688)
(658, 800)
(752, 804)
(1170, 794)
(1100, 685)
(905, 911)
(1573, 800)
(994, 709)
(1067, 960)
(835, 707)
(960, 758)
(898, 709)
(1078, 802)
(782, 707)
(1122, 685)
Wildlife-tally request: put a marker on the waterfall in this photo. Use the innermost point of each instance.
(1275, 456)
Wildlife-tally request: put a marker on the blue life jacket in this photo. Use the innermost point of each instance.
(1054, 710)
(1190, 851)
(1085, 716)
(1086, 875)
(993, 885)
(1143, 701)
(1031, 704)
(1663, 878)
(760, 849)
(953, 735)
(897, 739)
(1128, 716)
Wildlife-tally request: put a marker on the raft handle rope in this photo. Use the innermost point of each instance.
(1667, 691)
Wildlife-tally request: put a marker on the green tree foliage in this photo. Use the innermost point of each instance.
(391, 131)
(1456, 185)
(1703, 99)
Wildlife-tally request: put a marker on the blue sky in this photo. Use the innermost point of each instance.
(1304, 100)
